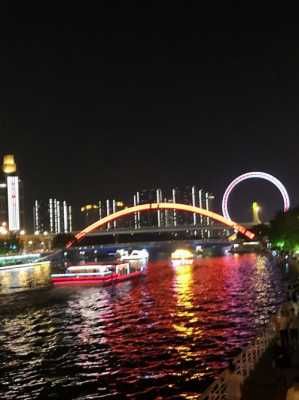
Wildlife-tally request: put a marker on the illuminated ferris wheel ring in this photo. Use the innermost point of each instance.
(250, 175)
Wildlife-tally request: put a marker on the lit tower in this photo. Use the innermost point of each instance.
(9, 169)
(256, 209)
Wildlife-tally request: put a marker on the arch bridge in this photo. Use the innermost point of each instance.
(161, 206)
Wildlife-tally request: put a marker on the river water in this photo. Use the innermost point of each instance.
(163, 336)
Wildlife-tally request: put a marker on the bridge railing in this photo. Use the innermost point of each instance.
(245, 363)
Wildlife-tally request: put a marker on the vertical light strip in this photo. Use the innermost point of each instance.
(200, 204)
(51, 215)
(208, 208)
(114, 211)
(55, 216)
(108, 212)
(65, 224)
(135, 214)
(58, 217)
(70, 219)
(138, 214)
(158, 212)
(194, 205)
(36, 216)
(174, 211)
(200, 217)
(13, 200)
(100, 209)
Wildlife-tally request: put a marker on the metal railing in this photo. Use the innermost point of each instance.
(244, 362)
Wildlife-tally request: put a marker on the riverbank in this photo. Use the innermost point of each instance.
(267, 382)
(255, 364)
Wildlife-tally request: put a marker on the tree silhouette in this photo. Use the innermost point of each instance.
(284, 230)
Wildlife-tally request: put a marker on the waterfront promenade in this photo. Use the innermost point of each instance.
(264, 381)
(267, 382)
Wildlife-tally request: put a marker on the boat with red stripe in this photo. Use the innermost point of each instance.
(93, 274)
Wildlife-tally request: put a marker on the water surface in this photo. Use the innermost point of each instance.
(163, 336)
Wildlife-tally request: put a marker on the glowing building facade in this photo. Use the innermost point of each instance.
(94, 211)
(53, 216)
(190, 195)
(11, 197)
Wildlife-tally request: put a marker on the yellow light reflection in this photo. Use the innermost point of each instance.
(28, 276)
(41, 274)
(24, 278)
(27, 333)
(5, 280)
(183, 285)
(186, 327)
(261, 263)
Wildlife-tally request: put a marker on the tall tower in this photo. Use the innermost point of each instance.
(9, 166)
(12, 183)
(256, 209)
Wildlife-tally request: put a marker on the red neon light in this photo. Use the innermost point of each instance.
(94, 281)
(162, 206)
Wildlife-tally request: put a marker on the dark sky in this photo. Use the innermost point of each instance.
(107, 102)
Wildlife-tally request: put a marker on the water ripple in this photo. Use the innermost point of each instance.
(163, 337)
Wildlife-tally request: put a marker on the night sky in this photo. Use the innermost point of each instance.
(97, 106)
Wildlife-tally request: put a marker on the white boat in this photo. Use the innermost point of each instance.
(96, 274)
(135, 255)
(92, 269)
(182, 254)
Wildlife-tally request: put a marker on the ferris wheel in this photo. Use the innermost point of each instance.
(254, 175)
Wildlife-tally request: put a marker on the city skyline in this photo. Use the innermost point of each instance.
(261, 191)
(56, 216)
(149, 202)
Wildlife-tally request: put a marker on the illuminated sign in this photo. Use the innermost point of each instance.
(9, 165)
(13, 203)
(250, 175)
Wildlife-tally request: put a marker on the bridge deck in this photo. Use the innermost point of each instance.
(184, 228)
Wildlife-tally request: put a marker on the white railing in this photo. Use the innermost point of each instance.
(245, 363)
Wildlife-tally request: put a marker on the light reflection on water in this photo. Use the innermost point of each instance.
(165, 335)
(24, 278)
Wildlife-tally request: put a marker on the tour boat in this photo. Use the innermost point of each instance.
(18, 259)
(182, 255)
(97, 274)
(135, 255)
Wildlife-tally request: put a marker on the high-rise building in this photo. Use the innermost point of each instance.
(151, 218)
(11, 196)
(95, 211)
(191, 195)
(53, 216)
(90, 213)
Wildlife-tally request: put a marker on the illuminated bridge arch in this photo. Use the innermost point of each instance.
(161, 206)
